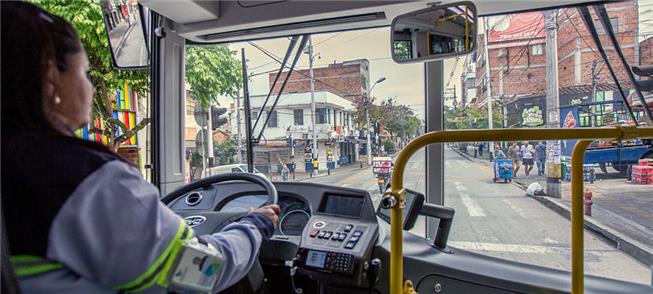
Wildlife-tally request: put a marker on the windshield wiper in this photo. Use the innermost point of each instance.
(589, 23)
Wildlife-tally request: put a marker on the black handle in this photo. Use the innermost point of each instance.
(445, 214)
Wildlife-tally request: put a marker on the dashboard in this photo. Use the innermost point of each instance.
(327, 231)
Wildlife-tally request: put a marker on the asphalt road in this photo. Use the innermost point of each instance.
(499, 220)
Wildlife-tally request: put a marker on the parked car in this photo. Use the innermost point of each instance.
(233, 168)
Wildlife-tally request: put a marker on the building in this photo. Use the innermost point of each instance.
(517, 57)
(291, 120)
(349, 79)
(468, 82)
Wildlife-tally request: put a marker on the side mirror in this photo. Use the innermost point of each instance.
(434, 33)
(125, 25)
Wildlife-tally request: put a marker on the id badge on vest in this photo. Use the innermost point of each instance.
(198, 267)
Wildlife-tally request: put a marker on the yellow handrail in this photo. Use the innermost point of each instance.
(577, 157)
(396, 237)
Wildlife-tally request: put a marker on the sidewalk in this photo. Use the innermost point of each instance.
(621, 211)
(303, 176)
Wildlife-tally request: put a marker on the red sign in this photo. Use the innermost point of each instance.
(515, 27)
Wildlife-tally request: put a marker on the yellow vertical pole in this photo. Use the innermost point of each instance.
(577, 275)
(397, 258)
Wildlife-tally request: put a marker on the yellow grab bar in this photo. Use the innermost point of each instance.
(396, 237)
(577, 157)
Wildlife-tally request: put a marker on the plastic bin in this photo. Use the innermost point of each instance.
(502, 170)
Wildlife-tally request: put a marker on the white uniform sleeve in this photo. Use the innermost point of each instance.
(114, 230)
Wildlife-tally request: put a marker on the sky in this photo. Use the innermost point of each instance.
(403, 81)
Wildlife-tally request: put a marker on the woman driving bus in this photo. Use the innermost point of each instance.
(79, 218)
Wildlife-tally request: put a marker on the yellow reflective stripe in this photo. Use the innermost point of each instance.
(26, 258)
(37, 269)
(160, 267)
(28, 265)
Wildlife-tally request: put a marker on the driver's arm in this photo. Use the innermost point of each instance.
(113, 230)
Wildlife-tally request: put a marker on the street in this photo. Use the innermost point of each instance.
(128, 43)
(500, 220)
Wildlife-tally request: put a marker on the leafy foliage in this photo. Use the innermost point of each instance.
(226, 151)
(471, 117)
(395, 118)
(87, 18)
(212, 70)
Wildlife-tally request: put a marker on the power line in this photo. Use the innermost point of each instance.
(579, 34)
(277, 59)
(324, 41)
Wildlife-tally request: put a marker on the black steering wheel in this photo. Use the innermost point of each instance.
(208, 222)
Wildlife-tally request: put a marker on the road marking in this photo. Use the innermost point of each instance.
(472, 206)
(461, 188)
(516, 208)
(447, 163)
(513, 248)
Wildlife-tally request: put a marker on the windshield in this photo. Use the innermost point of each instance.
(317, 131)
(347, 109)
(488, 182)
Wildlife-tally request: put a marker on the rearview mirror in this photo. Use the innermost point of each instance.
(434, 33)
(124, 22)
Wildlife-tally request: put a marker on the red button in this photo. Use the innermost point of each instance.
(314, 233)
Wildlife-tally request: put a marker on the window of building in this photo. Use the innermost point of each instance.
(537, 49)
(298, 115)
(614, 21)
(254, 115)
(272, 122)
(321, 116)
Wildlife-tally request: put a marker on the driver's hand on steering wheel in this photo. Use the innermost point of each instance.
(270, 211)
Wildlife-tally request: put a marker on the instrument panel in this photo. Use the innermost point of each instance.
(293, 217)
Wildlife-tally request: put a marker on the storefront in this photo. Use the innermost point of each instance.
(526, 112)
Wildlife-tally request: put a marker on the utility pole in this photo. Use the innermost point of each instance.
(209, 141)
(310, 63)
(367, 121)
(240, 136)
(552, 104)
(488, 79)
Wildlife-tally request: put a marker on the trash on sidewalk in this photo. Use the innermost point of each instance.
(535, 189)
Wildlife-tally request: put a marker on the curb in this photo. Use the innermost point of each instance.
(124, 38)
(634, 248)
(461, 153)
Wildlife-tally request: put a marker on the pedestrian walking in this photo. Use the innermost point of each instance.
(481, 146)
(498, 153)
(284, 172)
(527, 152)
(540, 157)
(514, 155)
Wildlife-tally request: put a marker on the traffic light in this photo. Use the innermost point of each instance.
(216, 120)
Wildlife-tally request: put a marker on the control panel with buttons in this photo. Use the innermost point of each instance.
(329, 261)
(334, 245)
(336, 234)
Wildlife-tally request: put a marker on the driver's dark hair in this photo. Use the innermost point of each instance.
(32, 37)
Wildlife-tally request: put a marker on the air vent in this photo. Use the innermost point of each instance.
(297, 26)
(193, 199)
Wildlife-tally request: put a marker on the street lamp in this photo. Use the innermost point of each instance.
(367, 118)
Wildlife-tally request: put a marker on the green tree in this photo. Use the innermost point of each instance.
(472, 117)
(226, 151)
(212, 70)
(87, 18)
